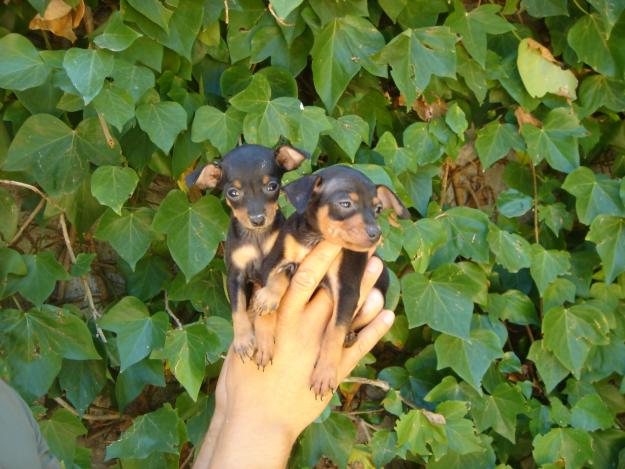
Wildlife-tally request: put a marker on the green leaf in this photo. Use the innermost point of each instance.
(134, 79)
(116, 35)
(417, 54)
(610, 10)
(82, 266)
(595, 194)
(588, 37)
(544, 8)
(511, 250)
(131, 382)
(154, 10)
(283, 8)
(280, 117)
(333, 438)
(441, 300)
(422, 239)
(313, 122)
(512, 306)
(495, 140)
(570, 333)
(568, 444)
(255, 96)
(512, 203)
(556, 217)
(193, 230)
(468, 232)
(113, 186)
(540, 72)
(473, 27)
(392, 403)
(499, 411)
(590, 413)
(130, 233)
(598, 91)
(341, 48)
(456, 119)
(205, 291)
(60, 432)
(416, 432)
(33, 378)
(148, 278)
(156, 432)
(9, 213)
(608, 233)
(87, 69)
(162, 121)
(222, 129)
(43, 273)
(469, 358)
(558, 292)
(549, 367)
(138, 333)
(422, 143)
(383, 446)
(184, 27)
(21, 66)
(547, 265)
(82, 381)
(185, 351)
(349, 131)
(116, 105)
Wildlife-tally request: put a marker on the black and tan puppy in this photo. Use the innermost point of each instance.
(250, 177)
(338, 204)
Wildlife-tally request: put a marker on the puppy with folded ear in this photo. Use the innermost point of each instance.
(250, 178)
(341, 205)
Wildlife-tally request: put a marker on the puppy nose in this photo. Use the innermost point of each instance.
(374, 232)
(257, 220)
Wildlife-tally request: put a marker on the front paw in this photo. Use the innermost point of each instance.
(244, 343)
(265, 328)
(264, 302)
(323, 379)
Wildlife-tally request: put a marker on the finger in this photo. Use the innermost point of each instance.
(307, 278)
(315, 317)
(370, 276)
(370, 309)
(367, 338)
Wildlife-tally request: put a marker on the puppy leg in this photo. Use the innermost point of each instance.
(265, 328)
(244, 341)
(267, 299)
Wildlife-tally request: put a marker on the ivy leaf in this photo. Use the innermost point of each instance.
(470, 357)
(468, 232)
(456, 119)
(568, 444)
(138, 333)
(162, 121)
(113, 185)
(134, 79)
(131, 382)
(185, 351)
(156, 432)
(283, 8)
(475, 25)
(541, 73)
(590, 413)
(183, 28)
(116, 35)
(422, 239)
(341, 48)
(556, 217)
(558, 292)
(417, 54)
(349, 131)
(130, 233)
(422, 143)
(43, 273)
(512, 203)
(499, 411)
(595, 194)
(21, 66)
(588, 37)
(9, 213)
(570, 333)
(87, 69)
(82, 381)
(511, 250)
(222, 129)
(383, 446)
(608, 233)
(254, 97)
(193, 230)
(547, 265)
(60, 432)
(33, 378)
(416, 432)
(441, 300)
(512, 306)
(154, 10)
(82, 266)
(313, 122)
(556, 141)
(148, 278)
(334, 438)
(610, 10)
(551, 371)
(279, 117)
(116, 105)
(542, 8)
(597, 91)
(495, 140)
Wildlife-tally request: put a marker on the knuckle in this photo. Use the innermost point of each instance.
(304, 278)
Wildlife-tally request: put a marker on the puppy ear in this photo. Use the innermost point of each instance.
(290, 158)
(299, 192)
(390, 200)
(205, 177)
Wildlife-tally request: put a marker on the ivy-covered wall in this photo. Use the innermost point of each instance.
(500, 124)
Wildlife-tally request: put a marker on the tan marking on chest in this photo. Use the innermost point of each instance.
(269, 242)
(243, 255)
(293, 250)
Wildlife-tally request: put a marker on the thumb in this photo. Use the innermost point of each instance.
(367, 338)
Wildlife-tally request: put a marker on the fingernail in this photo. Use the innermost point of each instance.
(388, 317)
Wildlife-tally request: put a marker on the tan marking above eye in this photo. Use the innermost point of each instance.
(354, 196)
(243, 255)
(236, 183)
(265, 179)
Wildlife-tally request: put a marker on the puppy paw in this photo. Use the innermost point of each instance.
(265, 339)
(264, 302)
(323, 380)
(244, 344)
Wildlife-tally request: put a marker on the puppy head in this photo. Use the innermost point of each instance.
(250, 176)
(343, 205)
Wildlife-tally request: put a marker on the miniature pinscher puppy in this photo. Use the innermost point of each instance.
(250, 177)
(338, 204)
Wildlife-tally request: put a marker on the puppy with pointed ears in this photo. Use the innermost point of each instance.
(250, 178)
(341, 205)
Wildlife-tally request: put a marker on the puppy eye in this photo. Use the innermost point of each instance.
(272, 187)
(233, 194)
(378, 209)
(345, 203)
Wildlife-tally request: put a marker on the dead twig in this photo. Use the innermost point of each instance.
(278, 19)
(226, 12)
(30, 218)
(171, 313)
(115, 416)
(110, 141)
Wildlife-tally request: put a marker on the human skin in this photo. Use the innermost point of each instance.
(259, 414)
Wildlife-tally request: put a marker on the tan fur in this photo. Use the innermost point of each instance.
(350, 233)
(269, 242)
(242, 255)
(209, 177)
(293, 250)
(289, 158)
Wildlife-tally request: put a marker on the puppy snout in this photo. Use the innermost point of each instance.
(258, 219)
(374, 232)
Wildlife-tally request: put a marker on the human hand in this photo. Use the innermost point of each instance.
(268, 409)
